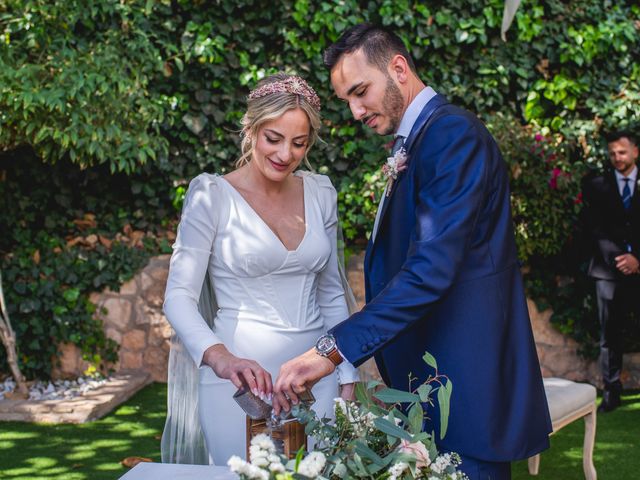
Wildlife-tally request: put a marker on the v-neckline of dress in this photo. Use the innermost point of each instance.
(266, 225)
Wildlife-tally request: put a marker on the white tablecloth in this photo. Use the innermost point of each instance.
(170, 471)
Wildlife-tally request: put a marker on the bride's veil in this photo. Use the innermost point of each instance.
(182, 438)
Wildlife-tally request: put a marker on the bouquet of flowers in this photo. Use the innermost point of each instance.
(380, 436)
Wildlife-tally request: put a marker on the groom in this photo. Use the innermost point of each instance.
(441, 270)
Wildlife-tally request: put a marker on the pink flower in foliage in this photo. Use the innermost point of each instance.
(578, 199)
(417, 449)
(555, 174)
(553, 182)
(538, 137)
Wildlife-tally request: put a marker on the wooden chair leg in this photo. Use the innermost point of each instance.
(534, 464)
(589, 441)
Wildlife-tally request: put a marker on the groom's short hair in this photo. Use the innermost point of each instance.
(378, 43)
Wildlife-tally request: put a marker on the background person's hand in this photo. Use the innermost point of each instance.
(348, 391)
(240, 371)
(627, 264)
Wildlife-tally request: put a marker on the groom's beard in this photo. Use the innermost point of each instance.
(392, 105)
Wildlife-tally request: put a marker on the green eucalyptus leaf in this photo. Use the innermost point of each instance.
(391, 429)
(416, 418)
(424, 392)
(392, 395)
(430, 360)
(444, 398)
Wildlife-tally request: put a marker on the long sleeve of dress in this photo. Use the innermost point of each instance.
(188, 266)
(331, 299)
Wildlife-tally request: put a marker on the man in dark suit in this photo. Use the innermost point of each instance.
(611, 215)
(441, 272)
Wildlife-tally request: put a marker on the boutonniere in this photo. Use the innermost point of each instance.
(393, 166)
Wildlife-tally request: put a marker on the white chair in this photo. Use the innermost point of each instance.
(568, 401)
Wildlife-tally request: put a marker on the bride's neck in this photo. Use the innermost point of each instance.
(257, 182)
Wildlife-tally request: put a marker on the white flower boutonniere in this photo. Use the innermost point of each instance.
(393, 166)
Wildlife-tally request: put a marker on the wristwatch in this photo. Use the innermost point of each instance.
(326, 346)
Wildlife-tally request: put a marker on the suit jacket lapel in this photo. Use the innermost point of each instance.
(615, 191)
(420, 124)
(635, 199)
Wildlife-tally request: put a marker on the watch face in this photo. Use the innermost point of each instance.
(325, 344)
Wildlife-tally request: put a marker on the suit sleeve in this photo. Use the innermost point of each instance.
(188, 266)
(592, 212)
(450, 199)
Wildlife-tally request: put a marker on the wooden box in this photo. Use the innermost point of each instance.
(291, 435)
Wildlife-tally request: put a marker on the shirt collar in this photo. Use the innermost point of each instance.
(413, 111)
(632, 176)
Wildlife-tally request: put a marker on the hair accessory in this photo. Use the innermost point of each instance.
(293, 84)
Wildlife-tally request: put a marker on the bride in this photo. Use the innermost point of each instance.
(264, 238)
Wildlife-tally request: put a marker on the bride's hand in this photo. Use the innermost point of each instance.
(348, 391)
(239, 371)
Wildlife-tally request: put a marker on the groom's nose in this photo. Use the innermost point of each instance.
(357, 110)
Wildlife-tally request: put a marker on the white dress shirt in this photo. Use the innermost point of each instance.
(632, 180)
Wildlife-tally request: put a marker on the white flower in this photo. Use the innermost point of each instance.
(396, 470)
(241, 467)
(395, 164)
(257, 473)
(276, 467)
(236, 464)
(263, 441)
(256, 452)
(441, 462)
(340, 405)
(312, 465)
(259, 461)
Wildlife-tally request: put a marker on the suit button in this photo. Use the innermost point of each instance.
(364, 349)
(371, 345)
(377, 340)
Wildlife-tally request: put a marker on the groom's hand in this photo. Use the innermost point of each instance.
(298, 375)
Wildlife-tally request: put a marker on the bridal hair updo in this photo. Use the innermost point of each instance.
(272, 98)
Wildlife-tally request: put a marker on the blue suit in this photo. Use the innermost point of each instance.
(442, 276)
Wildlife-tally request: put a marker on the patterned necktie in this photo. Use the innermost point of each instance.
(626, 194)
(397, 144)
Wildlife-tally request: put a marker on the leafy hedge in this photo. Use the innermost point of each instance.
(156, 89)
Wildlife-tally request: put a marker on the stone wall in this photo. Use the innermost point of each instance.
(134, 319)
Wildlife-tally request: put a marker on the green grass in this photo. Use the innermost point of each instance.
(616, 455)
(88, 451)
(93, 451)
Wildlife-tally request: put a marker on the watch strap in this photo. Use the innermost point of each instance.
(335, 357)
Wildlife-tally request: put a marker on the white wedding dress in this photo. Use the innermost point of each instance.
(273, 303)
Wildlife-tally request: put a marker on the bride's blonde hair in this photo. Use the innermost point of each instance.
(273, 102)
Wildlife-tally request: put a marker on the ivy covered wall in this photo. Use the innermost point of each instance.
(108, 108)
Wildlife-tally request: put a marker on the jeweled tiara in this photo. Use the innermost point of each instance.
(293, 84)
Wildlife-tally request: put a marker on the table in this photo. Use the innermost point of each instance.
(171, 471)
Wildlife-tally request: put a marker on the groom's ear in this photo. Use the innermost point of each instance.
(399, 68)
